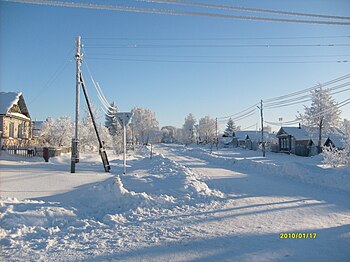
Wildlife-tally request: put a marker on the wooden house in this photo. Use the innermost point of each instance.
(15, 122)
(296, 140)
(250, 139)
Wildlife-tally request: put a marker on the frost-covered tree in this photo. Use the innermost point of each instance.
(323, 112)
(334, 157)
(345, 128)
(87, 135)
(207, 129)
(145, 127)
(114, 128)
(57, 132)
(110, 120)
(169, 134)
(230, 128)
(189, 130)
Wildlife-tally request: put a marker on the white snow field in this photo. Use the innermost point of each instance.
(184, 204)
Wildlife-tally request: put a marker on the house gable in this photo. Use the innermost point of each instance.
(13, 102)
(14, 119)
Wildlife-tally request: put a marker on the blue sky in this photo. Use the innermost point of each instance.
(37, 50)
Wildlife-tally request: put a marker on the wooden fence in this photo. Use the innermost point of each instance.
(21, 151)
(36, 151)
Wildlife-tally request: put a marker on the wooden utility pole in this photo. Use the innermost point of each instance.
(102, 150)
(262, 128)
(216, 132)
(320, 136)
(75, 140)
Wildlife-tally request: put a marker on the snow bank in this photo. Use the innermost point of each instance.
(180, 182)
(43, 222)
(304, 169)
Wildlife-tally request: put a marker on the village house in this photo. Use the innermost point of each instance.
(298, 141)
(248, 139)
(15, 122)
(295, 140)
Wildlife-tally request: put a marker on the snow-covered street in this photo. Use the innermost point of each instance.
(184, 204)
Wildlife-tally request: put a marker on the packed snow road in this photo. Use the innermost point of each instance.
(268, 217)
(184, 204)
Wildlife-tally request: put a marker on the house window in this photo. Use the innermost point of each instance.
(284, 143)
(20, 130)
(11, 130)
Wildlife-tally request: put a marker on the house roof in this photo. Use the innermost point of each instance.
(296, 132)
(334, 134)
(37, 124)
(252, 134)
(9, 99)
(337, 139)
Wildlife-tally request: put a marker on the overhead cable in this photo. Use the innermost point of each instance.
(299, 99)
(302, 101)
(338, 105)
(244, 9)
(172, 12)
(240, 113)
(157, 46)
(310, 88)
(211, 38)
(218, 62)
(100, 94)
(212, 56)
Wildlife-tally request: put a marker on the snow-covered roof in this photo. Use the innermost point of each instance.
(336, 138)
(253, 135)
(9, 99)
(296, 132)
(334, 134)
(37, 124)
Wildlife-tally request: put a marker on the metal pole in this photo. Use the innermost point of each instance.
(75, 151)
(124, 155)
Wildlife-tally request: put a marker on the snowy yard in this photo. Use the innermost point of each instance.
(184, 204)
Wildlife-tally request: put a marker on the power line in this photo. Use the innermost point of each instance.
(292, 101)
(287, 102)
(214, 38)
(302, 101)
(308, 89)
(239, 118)
(171, 12)
(54, 76)
(292, 122)
(220, 62)
(239, 113)
(246, 128)
(214, 56)
(157, 46)
(245, 9)
(298, 101)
